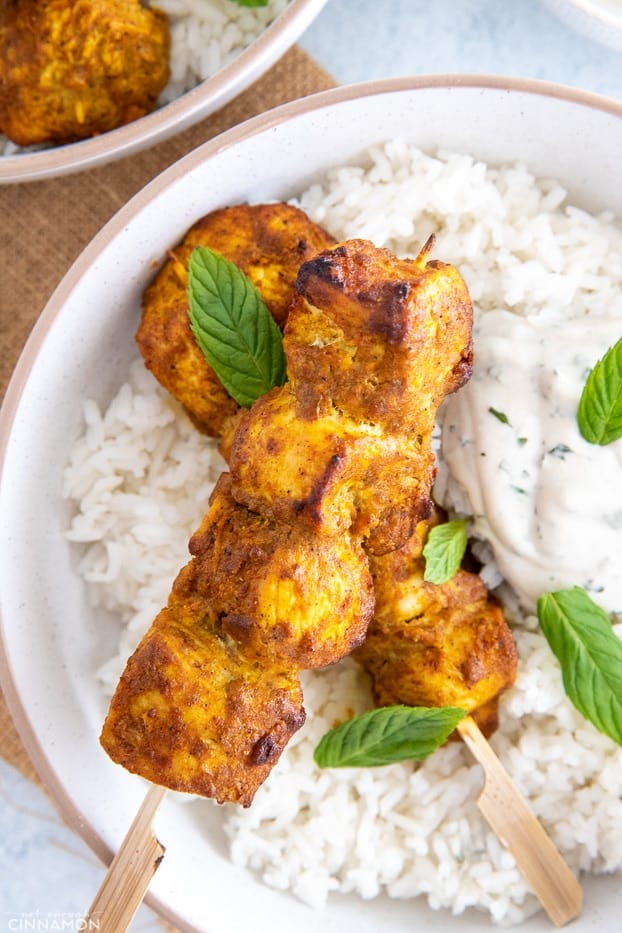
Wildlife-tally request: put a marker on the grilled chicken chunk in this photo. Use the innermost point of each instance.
(381, 338)
(269, 242)
(192, 713)
(373, 345)
(277, 589)
(331, 472)
(69, 70)
(436, 644)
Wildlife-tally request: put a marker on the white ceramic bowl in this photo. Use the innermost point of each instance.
(206, 98)
(81, 346)
(599, 20)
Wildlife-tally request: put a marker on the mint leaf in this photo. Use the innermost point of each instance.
(600, 407)
(590, 654)
(444, 551)
(386, 735)
(251, 2)
(235, 331)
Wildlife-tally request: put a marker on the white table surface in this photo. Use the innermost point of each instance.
(46, 872)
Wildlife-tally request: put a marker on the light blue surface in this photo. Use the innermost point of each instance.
(48, 875)
(356, 40)
(44, 868)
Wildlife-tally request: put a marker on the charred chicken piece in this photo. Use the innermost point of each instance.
(70, 70)
(269, 242)
(373, 345)
(436, 644)
(211, 695)
(381, 338)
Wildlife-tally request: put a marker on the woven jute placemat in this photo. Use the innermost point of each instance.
(44, 226)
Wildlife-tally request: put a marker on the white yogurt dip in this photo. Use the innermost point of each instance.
(548, 502)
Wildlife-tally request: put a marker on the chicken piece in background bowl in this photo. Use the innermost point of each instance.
(73, 70)
(215, 49)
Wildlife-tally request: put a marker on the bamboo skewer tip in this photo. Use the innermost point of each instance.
(519, 829)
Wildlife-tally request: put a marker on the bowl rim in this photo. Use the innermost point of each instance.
(68, 810)
(205, 98)
(595, 8)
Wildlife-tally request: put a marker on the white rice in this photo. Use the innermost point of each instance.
(206, 35)
(402, 830)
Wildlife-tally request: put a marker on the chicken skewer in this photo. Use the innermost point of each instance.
(269, 242)
(449, 645)
(280, 579)
(487, 709)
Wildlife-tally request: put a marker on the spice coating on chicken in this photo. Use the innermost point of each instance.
(436, 644)
(381, 338)
(193, 714)
(373, 344)
(258, 602)
(331, 472)
(277, 589)
(72, 70)
(269, 242)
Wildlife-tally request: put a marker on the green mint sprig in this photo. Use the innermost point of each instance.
(590, 655)
(444, 550)
(233, 327)
(600, 407)
(386, 735)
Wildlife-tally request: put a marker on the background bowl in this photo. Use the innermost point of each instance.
(207, 97)
(81, 346)
(600, 20)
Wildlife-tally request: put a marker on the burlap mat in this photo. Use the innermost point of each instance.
(44, 226)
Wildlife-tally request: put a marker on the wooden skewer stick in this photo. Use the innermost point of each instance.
(520, 831)
(130, 872)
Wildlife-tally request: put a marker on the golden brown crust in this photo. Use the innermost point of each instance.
(193, 715)
(278, 590)
(330, 472)
(381, 338)
(69, 70)
(268, 242)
